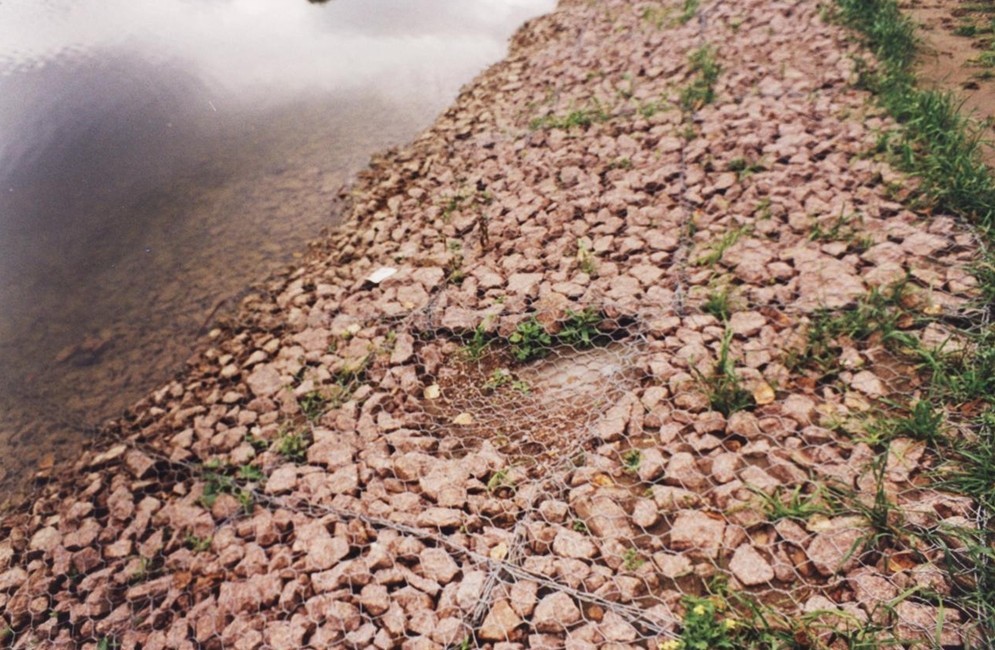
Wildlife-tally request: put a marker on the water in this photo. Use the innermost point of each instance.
(158, 157)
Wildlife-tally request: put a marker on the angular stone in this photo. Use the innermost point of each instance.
(604, 517)
(758, 479)
(265, 381)
(282, 480)
(651, 464)
(710, 422)
(555, 613)
(799, 408)
(569, 543)
(440, 517)
(868, 383)
(12, 579)
(724, 467)
(404, 349)
(645, 513)
(445, 483)
(45, 539)
(743, 423)
(121, 504)
(698, 533)
(924, 244)
(828, 283)
(523, 597)
(524, 283)
(871, 588)
(614, 628)
(835, 549)
(500, 622)
(344, 480)
(138, 463)
(672, 566)
(791, 532)
(750, 567)
(438, 565)
(324, 553)
(669, 498)
(374, 599)
(682, 471)
(746, 323)
(918, 622)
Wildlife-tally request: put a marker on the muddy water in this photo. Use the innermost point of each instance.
(158, 157)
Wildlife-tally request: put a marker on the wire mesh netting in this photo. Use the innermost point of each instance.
(638, 375)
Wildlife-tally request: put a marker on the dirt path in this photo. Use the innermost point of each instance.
(611, 373)
(958, 54)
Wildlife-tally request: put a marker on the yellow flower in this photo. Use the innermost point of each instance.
(673, 644)
(730, 623)
(699, 610)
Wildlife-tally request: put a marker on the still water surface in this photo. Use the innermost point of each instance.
(158, 157)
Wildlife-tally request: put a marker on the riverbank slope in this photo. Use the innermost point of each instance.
(598, 344)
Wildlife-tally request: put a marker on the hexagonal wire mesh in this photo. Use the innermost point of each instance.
(642, 386)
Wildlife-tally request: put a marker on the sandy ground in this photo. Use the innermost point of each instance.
(952, 58)
(345, 466)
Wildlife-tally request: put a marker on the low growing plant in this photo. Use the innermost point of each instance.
(701, 90)
(581, 328)
(530, 340)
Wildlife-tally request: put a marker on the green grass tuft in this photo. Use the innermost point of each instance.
(723, 387)
(705, 70)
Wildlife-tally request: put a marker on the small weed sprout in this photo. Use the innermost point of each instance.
(923, 422)
(631, 460)
(966, 28)
(500, 377)
(586, 260)
(657, 16)
(877, 314)
(578, 525)
(293, 445)
(795, 504)
(197, 544)
(723, 387)
(452, 204)
(142, 572)
(720, 247)
(689, 10)
(582, 118)
(313, 405)
(530, 340)
(257, 444)
(250, 473)
(108, 643)
(701, 90)
(474, 347)
(620, 163)
(631, 560)
(498, 480)
(763, 210)
(717, 304)
(744, 168)
(454, 265)
(581, 328)
(217, 481)
(841, 229)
